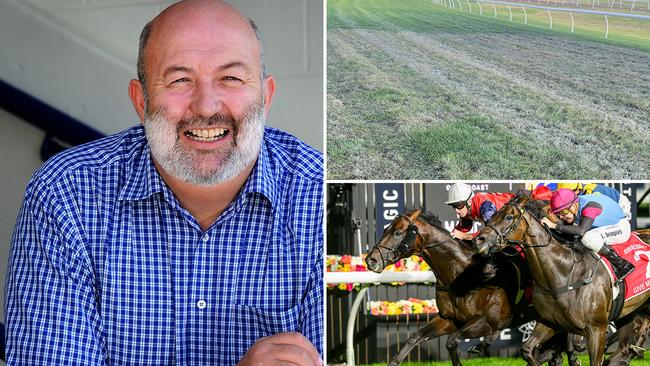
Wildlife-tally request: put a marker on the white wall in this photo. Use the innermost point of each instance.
(78, 56)
(19, 158)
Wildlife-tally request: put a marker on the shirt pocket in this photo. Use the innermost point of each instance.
(252, 323)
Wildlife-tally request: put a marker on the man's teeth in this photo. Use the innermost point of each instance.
(211, 134)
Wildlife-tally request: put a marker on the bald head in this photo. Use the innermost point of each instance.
(191, 16)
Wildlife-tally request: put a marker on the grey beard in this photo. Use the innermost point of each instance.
(181, 162)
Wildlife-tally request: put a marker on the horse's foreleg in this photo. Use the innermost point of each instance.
(641, 328)
(482, 347)
(540, 334)
(551, 350)
(475, 328)
(571, 351)
(436, 327)
(596, 336)
(631, 339)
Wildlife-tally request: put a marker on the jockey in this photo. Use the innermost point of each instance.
(597, 219)
(592, 188)
(470, 207)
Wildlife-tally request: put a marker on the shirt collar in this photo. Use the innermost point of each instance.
(263, 179)
(143, 179)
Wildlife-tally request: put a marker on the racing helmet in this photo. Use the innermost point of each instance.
(562, 198)
(570, 185)
(459, 192)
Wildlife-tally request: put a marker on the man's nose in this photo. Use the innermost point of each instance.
(207, 100)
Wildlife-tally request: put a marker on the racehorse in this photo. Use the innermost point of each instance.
(467, 309)
(572, 291)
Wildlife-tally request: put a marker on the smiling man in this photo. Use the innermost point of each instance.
(195, 238)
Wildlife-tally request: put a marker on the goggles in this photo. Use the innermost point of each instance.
(459, 205)
(564, 212)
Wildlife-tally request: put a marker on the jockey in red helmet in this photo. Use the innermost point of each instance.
(470, 207)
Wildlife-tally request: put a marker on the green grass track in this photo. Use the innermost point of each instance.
(417, 90)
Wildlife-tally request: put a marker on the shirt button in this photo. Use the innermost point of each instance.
(201, 304)
(206, 237)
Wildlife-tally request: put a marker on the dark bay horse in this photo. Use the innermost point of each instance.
(467, 309)
(573, 291)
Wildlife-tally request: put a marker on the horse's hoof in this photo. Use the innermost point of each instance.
(477, 349)
(636, 349)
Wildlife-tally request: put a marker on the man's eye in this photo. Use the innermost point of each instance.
(231, 79)
(181, 80)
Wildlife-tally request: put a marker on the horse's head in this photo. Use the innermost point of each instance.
(401, 239)
(505, 227)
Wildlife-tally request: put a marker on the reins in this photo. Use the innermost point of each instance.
(502, 240)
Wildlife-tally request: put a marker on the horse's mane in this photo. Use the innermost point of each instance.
(429, 218)
(537, 208)
(540, 209)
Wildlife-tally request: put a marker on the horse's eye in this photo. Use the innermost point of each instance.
(398, 232)
(508, 217)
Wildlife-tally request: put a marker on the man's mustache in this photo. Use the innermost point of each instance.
(217, 119)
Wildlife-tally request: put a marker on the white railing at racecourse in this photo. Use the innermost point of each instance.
(370, 278)
(452, 4)
(641, 5)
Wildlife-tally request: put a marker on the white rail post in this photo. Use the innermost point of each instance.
(460, 6)
(495, 9)
(606, 27)
(480, 7)
(369, 278)
(349, 334)
(525, 15)
(469, 5)
(550, 19)
(572, 22)
(632, 7)
(510, 11)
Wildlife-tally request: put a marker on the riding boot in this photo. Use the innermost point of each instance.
(622, 267)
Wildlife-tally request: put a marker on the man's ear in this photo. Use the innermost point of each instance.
(136, 93)
(269, 90)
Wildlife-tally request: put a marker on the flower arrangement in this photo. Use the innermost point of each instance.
(348, 263)
(410, 306)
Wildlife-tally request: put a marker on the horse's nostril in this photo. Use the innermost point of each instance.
(371, 261)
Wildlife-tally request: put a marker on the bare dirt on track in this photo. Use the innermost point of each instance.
(419, 91)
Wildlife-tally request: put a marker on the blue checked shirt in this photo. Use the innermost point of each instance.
(107, 268)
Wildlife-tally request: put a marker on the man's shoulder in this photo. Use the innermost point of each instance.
(293, 155)
(92, 156)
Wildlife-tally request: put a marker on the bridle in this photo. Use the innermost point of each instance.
(404, 246)
(501, 240)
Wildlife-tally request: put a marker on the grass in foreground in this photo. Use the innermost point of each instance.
(494, 361)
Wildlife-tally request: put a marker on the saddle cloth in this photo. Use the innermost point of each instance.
(636, 252)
